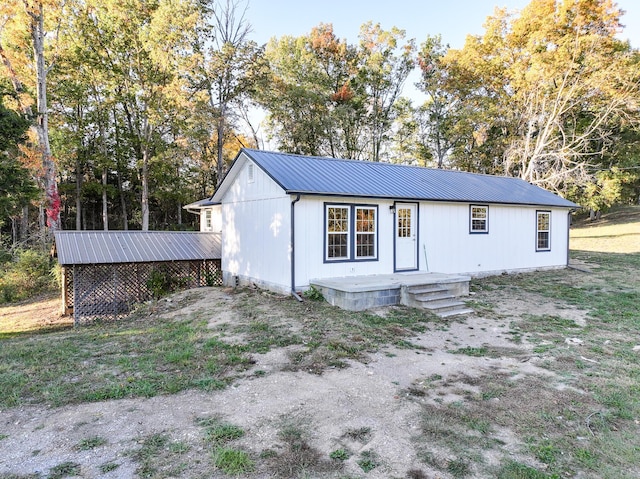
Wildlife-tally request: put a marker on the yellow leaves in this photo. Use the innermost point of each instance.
(169, 29)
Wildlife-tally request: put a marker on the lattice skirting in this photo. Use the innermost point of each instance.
(110, 290)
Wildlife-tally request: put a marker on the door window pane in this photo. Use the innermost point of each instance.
(404, 222)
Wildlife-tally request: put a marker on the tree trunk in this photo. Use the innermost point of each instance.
(220, 133)
(36, 27)
(145, 188)
(24, 223)
(105, 214)
(14, 231)
(78, 194)
(42, 232)
(36, 13)
(123, 201)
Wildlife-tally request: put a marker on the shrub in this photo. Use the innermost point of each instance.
(26, 274)
(313, 294)
(160, 283)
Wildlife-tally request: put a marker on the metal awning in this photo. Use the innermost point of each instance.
(105, 247)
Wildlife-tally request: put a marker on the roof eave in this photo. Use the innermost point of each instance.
(438, 200)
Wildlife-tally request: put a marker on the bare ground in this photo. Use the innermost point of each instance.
(383, 395)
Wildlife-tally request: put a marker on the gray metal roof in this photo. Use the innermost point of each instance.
(100, 247)
(201, 204)
(336, 177)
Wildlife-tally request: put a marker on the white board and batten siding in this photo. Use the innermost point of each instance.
(444, 242)
(310, 241)
(256, 230)
(447, 246)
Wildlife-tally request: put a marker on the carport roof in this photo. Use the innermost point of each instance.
(105, 247)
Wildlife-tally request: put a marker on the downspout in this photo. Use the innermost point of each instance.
(293, 249)
(568, 233)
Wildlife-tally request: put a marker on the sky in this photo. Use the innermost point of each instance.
(453, 19)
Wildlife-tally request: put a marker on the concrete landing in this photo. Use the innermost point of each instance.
(357, 293)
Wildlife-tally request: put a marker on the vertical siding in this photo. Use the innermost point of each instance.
(256, 230)
(310, 241)
(509, 245)
(216, 219)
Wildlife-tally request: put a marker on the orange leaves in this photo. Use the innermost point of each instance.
(344, 94)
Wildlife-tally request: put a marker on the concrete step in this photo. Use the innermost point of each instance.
(454, 312)
(443, 305)
(426, 289)
(438, 299)
(427, 297)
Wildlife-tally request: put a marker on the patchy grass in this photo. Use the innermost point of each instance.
(233, 461)
(108, 467)
(66, 469)
(340, 454)
(218, 432)
(368, 461)
(36, 314)
(617, 231)
(90, 443)
(576, 417)
(158, 456)
(140, 357)
(296, 457)
(582, 419)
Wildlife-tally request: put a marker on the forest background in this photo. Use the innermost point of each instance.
(114, 115)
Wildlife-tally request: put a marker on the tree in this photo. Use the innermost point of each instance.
(327, 97)
(141, 50)
(302, 76)
(17, 188)
(384, 67)
(226, 67)
(19, 14)
(546, 91)
(439, 118)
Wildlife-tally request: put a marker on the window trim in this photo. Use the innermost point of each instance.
(351, 233)
(356, 257)
(339, 259)
(538, 231)
(486, 220)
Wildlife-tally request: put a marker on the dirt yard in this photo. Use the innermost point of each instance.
(382, 397)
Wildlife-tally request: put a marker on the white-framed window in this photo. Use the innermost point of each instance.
(366, 234)
(543, 230)
(338, 237)
(478, 219)
(207, 220)
(351, 232)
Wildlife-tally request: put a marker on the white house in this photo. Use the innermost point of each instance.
(210, 214)
(289, 220)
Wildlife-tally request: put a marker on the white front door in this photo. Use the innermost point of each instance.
(406, 241)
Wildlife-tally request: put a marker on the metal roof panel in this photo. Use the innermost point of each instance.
(338, 177)
(100, 247)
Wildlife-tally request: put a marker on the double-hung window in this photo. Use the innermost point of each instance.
(365, 232)
(338, 237)
(207, 220)
(351, 232)
(478, 219)
(543, 230)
